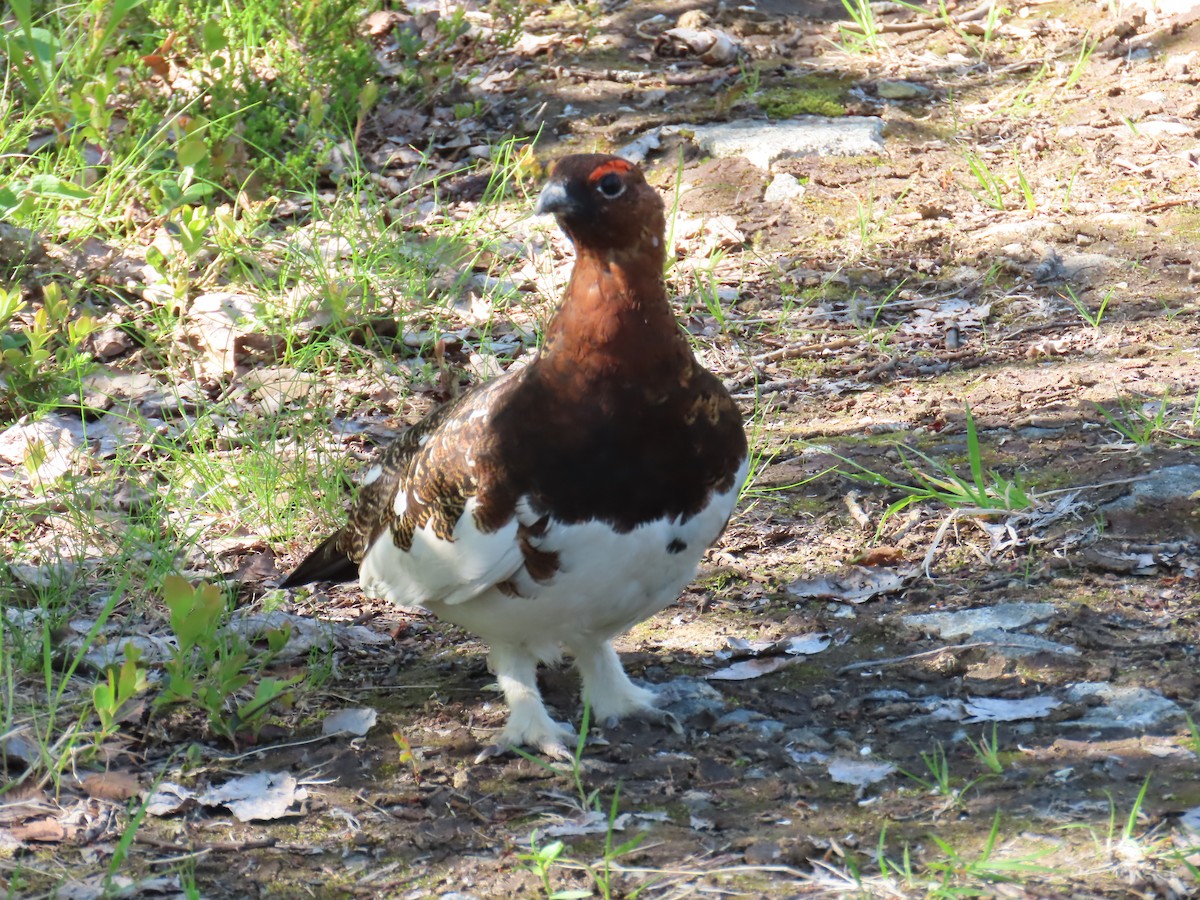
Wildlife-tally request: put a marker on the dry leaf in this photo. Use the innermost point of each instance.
(751, 668)
(854, 584)
(350, 721)
(46, 830)
(881, 556)
(112, 785)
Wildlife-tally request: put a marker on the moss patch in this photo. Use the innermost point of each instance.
(810, 95)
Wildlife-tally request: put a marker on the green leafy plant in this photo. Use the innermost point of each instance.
(937, 778)
(1086, 48)
(42, 353)
(541, 860)
(211, 665)
(708, 287)
(122, 685)
(1142, 423)
(982, 492)
(955, 867)
(1024, 185)
(602, 872)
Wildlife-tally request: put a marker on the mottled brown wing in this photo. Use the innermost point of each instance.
(430, 464)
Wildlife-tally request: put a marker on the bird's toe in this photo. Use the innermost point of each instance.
(491, 751)
(549, 738)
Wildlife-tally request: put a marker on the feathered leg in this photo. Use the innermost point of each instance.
(529, 723)
(610, 692)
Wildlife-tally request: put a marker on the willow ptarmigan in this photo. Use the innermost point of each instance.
(564, 502)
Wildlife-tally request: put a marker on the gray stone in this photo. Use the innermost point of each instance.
(1156, 128)
(1127, 708)
(783, 187)
(1178, 64)
(764, 142)
(1171, 484)
(900, 90)
(688, 697)
(971, 622)
(751, 722)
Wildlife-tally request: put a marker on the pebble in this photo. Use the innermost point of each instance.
(783, 187)
(900, 90)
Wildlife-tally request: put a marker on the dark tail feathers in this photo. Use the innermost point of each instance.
(326, 563)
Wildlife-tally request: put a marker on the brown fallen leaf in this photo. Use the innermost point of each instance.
(116, 785)
(879, 556)
(257, 567)
(46, 830)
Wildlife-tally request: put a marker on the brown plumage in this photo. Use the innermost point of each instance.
(566, 501)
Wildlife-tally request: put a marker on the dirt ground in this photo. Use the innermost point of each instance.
(1025, 248)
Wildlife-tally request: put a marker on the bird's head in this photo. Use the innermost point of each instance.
(604, 205)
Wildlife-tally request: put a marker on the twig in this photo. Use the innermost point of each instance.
(856, 511)
(795, 352)
(955, 515)
(621, 76)
(214, 847)
(1167, 204)
(893, 660)
(701, 77)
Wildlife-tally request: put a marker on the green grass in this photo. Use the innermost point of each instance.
(1091, 317)
(864, 36)
(1144, 422)
(991, 187)
(979, 492)
(543, 859)
(184, 129)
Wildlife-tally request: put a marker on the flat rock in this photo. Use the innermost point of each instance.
(688, 697)
(751, 722)
(1157, 128)
(1168, 485)
(764, 142)
(1004, 617)
(1126, 708)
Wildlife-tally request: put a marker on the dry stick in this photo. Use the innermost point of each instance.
(622, 76)
(856, 511)
(896, 27)
(955, 515)
(1167, 204)
(893, 660)
(701, 77)
(795, 352)
(213, 847)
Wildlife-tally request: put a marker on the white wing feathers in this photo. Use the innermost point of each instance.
(439, 571)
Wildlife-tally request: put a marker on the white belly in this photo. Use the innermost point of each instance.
(606, 582)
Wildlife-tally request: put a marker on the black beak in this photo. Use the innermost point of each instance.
(553, 200)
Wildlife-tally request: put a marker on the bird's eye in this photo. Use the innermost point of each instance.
(611, 186)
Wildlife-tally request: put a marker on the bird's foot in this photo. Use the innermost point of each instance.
(633, 702)
(549, 738)
(651, 714)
